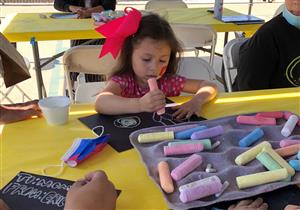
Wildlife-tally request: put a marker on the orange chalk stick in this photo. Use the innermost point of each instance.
(165, 179)
(288, 151)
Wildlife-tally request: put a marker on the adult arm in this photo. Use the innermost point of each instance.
(258, 61)
(62, 5)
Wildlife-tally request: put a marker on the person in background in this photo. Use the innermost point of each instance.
(16, 112)
(151, 52)
(271, 58)
(84, 9)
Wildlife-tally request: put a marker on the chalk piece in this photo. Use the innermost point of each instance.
(166, 182)
(265, 159)
(288, 142)
(181, 127)
(298, 155)
(261, 178)
(156, 136)
(186, 167)
(270, 114)
(250, 154)
(288, 151)
(253, 120)
(279, 160)
(198, 182)
(206, 143)
(209, 132)
(202, 190)
(295, 164)
(186, 134)
(251, 138)
(287, 114)
(215, 145)
(289, 126)
(153, 86)
(224, 187)
(182, 149)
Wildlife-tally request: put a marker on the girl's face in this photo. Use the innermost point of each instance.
(148, 58)
(293, 6)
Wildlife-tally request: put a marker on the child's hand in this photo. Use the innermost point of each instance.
(186, 110)
(292, 207)
(257, 204)
(3, 205)
(152, 101)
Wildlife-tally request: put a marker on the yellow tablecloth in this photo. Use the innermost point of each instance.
(24, 26)
(31, 145)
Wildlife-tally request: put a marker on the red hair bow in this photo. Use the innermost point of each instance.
(117, 30)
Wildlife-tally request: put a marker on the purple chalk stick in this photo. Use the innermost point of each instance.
(208, 133)
(202, 190)
(186, 167)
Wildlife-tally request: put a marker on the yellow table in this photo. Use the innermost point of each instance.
(200, 16)
(30, 145)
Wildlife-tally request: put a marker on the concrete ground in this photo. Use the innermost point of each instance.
(53, 75)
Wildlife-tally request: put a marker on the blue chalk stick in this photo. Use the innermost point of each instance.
(295, 164)
(186, 134)
(298, 155)
(251, 137)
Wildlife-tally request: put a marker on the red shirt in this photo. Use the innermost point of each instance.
(169, 85)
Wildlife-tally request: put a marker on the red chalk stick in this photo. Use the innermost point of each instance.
(153, 86)
(253, 120)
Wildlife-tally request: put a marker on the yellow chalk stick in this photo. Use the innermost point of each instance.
(279, 160)
(250, 154)
(156, 136)
(165, 179)
(261, 178)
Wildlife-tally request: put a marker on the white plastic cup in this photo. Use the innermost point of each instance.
(55, 109)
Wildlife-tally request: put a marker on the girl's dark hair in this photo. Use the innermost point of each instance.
(154, 27)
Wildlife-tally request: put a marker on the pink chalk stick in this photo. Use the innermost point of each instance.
(270, 114)
(153, 86)
(288, 142)
(181, 127)
(287, 114)
(181, 149)
(204, 189)
(253, 120)
(208, 133)
(186, 167)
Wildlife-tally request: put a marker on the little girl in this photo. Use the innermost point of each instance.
(152, 51)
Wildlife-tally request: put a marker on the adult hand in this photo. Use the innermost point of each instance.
(94, 192)
(75, 8)
(152, 101)
(257, 204)
(3, 205)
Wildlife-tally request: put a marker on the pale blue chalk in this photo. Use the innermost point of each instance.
(251, 137)
(186, 134)
(295, 164)
(206, 143)
(298, 155)
(208, 133)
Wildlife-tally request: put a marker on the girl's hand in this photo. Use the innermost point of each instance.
(152, 101)
(186, 110)
(83, 13)
(292, 207)
(257, 204)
